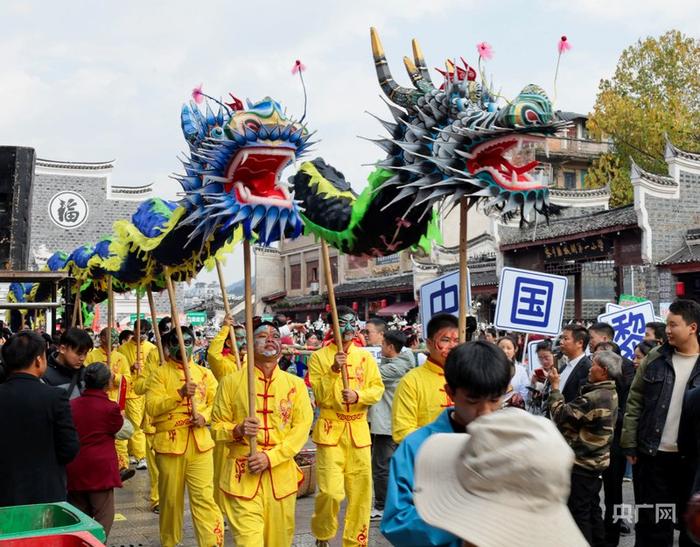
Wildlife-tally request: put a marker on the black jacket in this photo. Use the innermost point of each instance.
(659, 377)
(59, 376)
(689, 432)
(577, 379)
(39, 439)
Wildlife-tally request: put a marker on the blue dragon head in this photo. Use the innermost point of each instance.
(233, 175)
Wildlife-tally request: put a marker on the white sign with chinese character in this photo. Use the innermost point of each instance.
(530, 301)
(442, 296)
(68, 210)
(629, 324)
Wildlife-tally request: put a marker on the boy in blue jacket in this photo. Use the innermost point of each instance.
(477, 375)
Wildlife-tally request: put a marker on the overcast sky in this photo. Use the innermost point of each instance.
(96, 80)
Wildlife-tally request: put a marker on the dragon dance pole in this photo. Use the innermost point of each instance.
(334, 310)
(227, 311)
(463, 210)
(137, 334)
(76, 307)
(178, 331)
(156, 331)
(110, 320)
(252, 395)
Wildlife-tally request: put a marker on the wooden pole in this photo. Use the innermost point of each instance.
(252, 394)
(227, 311)
(137, 333)
(334, 310)
(178, 331)
(76, 307)
(154, 318)
(110, 319)
(463, 209)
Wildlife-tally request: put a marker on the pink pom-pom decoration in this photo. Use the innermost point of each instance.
(197, 94)
(298, 67)
(563, 45)
(484, 50)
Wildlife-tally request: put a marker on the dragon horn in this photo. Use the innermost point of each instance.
(416, 78)
(401, 96)
(420, 62)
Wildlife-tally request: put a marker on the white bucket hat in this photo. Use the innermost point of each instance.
(503, 484)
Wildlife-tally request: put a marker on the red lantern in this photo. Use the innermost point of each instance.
(680, 288)
(355, 306)
(383, 303)
(328, 308)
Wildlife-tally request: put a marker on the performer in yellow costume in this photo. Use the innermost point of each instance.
(220, 355)
(120, 369)
(140, 384)
(420, 396)
(222, 361)
(343, 459)
(184, 445)
(259, 491)
(135, 402)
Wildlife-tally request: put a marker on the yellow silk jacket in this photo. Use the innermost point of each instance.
(171, 414)
(284, 410)
(335, 416)
(140, 384)
(118, 364)
(221, 364)
(419, 398)
(128, 350)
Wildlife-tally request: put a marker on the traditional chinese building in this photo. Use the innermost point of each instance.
(648, 248)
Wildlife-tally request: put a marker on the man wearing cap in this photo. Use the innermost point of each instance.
(588, 423)
(477, 376)
(120, 369)
(420, 396)
(343, 458)
(220, 355)
(503, 483)
(183, 444)
(259, 491)
(134, 402)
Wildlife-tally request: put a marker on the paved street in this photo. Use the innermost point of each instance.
(139, 527)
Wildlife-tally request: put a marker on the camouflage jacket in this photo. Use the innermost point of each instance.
(587, 422)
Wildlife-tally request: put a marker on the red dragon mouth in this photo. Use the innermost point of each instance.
(254, 175)
(500, 157)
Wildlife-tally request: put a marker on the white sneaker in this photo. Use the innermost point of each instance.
(376, 514)
(132, 460)
(142, 464)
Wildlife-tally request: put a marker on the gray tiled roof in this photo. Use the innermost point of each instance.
(562, 227)
(637, 171)
(384, 282)
(689, 251)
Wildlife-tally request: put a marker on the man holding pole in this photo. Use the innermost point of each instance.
(135, 402)
(120, 370)
(259, 491)
(180, 410)
(343, 458)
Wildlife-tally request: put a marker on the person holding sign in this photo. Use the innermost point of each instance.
(343, 459)
(120, 370)
(259, 491)
(420, 395)
(183, 444)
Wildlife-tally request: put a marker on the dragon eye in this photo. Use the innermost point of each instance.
(252, 124)
(217, 132)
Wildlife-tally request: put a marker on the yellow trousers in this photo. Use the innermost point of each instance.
(135, 409)
(122, 448)
(196, 470)
(219, 460)
(152, 470)
(341, 471)
(262, 521)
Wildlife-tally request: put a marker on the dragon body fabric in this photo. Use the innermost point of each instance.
(444, 144)
(232, 189)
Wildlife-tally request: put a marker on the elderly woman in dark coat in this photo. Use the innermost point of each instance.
(94, 473)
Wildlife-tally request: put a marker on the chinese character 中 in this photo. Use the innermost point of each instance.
(532, 302)
(623, 511)
(629, 331)
(444, 300)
